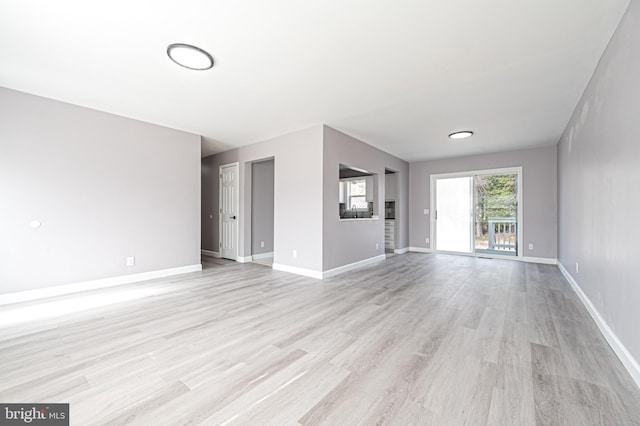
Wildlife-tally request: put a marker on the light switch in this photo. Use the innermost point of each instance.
(426, 211)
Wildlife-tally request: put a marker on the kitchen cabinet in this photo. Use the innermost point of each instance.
(390, 183)
(389, 234)
(369, 180)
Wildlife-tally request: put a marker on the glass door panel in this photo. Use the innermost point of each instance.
(496, 213)
(454, 213)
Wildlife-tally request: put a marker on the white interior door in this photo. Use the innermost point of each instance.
(454, 214)
(229, 189)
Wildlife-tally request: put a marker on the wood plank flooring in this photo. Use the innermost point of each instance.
(418, 339)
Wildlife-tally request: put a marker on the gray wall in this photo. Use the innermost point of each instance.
(262, 207)
(297, 197)
(539, 189)
(599, 181)
(346, 242)
(104, 187)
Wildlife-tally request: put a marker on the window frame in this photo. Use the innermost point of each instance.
(349, 195)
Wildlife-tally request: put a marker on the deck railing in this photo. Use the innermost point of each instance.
(502, 233)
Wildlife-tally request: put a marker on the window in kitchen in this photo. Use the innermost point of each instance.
(357, 194)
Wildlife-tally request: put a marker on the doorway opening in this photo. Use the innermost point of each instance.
(478, 213)
(262, 211)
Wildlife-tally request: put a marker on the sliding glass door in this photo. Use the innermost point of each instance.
(477, 212)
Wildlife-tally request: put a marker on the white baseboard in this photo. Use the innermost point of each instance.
(210, 253)
(621, 351)
(331, 272)
(41, 293)
(244, 259)
(401, 251)
(359, 264)
(262, 255)
(298, 271)
(421, 249)
(544, 260)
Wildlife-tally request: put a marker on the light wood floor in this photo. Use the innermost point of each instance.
(418, 339)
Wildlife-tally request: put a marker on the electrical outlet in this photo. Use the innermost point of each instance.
(530, 246)
(577, 268)
(262, 244)
(426, 240)
(131, 261)
(295, 253)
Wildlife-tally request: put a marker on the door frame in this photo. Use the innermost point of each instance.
(237, 206)
(472, 173)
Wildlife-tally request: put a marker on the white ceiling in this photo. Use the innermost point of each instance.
(400, 75)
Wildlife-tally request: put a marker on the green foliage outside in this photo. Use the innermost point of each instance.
(495, 198)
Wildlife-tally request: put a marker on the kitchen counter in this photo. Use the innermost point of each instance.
(356, 219)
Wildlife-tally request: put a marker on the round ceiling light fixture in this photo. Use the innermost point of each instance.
(461, 135)
(189, 56)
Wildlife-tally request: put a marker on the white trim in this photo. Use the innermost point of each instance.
(262, 255)
(421, 249)
(543, 260)
(298, 271)
(401, 251)
(244, 259)
(354, 265)
(472, 173)
(210, 253)
(59, 290)
(620, 350)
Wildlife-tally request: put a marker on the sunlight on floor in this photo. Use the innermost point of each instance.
(10, 316)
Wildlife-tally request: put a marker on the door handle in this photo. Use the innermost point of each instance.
(232, 217)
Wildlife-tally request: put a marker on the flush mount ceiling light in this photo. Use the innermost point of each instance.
(189, 56)
(461, 135)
